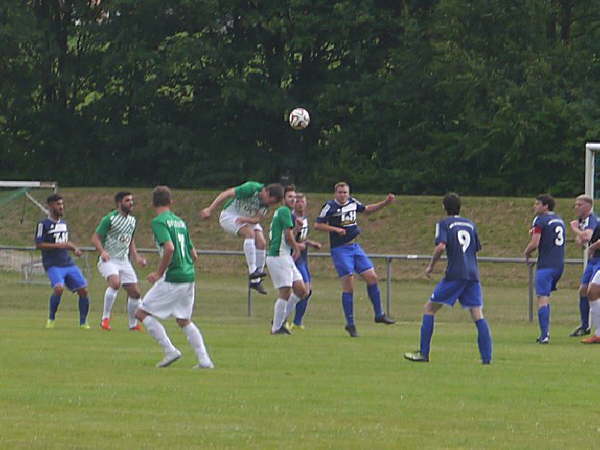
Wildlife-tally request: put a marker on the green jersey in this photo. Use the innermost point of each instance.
(282, 220)
(246, 202)
(167, 227)
(116, 232)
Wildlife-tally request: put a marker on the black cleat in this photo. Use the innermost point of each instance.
(543, 340)
(257, 274)
(258, 287)
(384, 319)
(351, 329)
(580, 331)
(282, 330)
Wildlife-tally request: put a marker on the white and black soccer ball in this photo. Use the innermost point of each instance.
(299, 119)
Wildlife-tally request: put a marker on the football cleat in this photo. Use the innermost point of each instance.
(293, 326)
(169, 359)
(105, 324)
(205, 363)
(416, 356)
(257, 274)
(50, 324)
(384, 319)
(282, 330)
(591, 340)
(351, 329)
(138, 327)
(258, 287)
(543, 340)
(580, 331)
(84, 326)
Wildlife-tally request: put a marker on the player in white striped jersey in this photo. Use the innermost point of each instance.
(114, 241)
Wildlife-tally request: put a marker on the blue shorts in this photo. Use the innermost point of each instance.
(591, 268)
(69, 276)
(349, 259)
(302, 266)
(467, 292)
(545, 281)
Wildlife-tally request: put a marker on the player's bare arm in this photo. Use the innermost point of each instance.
(133, 253)
(51, 246)
(437, 254)
(289, 237)
(168, 250)
(99, 247)
(313, 244)
(382, 204)
(218, 201)
(329, 228)
(532, 246)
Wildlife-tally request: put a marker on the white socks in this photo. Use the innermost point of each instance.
(595, 316)
(194, 337)
(291, 305)
(110, 295)
(132, 306)
(261, 257)
(278, 314)
(157, 331)
(250, 252)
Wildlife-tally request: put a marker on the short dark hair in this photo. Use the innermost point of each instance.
(289, 188)
(340, 184)
(275, 190)
(452, 203)
(53, 198)
(161, 196)
(546, 200)
(121, 195)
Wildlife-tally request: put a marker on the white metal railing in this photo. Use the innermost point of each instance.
(388, 261)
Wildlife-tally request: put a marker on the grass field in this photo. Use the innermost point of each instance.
(69, 388)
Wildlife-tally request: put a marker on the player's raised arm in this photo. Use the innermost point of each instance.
(382, 204)
(220, 199)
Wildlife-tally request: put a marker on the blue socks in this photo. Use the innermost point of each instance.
(301, 309)
(53, 307)
(84, 307)
(375, 296)
(544, 320)
(426, 333)
(484, 341)
(348, 305)
(584, 311)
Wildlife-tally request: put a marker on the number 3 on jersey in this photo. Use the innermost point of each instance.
(560, 237)
(464, 238)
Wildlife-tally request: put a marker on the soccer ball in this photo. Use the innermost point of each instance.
(299, 119)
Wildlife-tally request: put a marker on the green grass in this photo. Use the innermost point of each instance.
(69, 388)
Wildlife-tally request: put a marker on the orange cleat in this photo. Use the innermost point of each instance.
(105, 324)
(138, 327)
(591, 340)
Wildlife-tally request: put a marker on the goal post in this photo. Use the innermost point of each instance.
(591, 148)
(23, 188)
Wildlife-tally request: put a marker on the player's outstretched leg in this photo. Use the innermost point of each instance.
(84, 308)
(158, 332)
(484, 340)
(422, 355)
(132, 305)
(374, 293)
(348, 307)
(584, 314)
(110, 295)
(544, 322)
(595, 316)
(53, 308)
(194, 337)
(301, 310)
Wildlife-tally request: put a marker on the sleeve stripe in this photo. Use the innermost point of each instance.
(325, 210)
(40, 230)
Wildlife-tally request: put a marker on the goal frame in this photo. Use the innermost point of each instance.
(31, 184)
(591, 148)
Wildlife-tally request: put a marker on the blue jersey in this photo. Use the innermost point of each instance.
(462, 244)
(591, 223)
(54, 233)
(341, 216)
(551, 250)
(301, 236)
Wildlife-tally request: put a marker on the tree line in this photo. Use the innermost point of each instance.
(490, 97)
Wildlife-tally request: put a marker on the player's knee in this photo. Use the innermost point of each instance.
(114, 283)
(82, 292)
(133, 291)
(183, 322)
(58, 290)
(140, 314)
(593, 292)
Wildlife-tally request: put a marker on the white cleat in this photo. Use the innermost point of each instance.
(205, 363)
(169, 359)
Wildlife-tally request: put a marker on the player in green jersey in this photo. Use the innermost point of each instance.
(283, 249)
(245, 205)
(172, 293)
(114, 241)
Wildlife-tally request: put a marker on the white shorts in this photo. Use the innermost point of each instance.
(166, 299)
(283, 271)
(596, 278)
(228, 222)
(120, 267)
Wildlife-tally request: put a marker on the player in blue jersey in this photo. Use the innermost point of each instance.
(339, 217)
(457, 236)
(52, 238)
(548, 237)
(304, 243)
(583, 227)
(593, 293)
